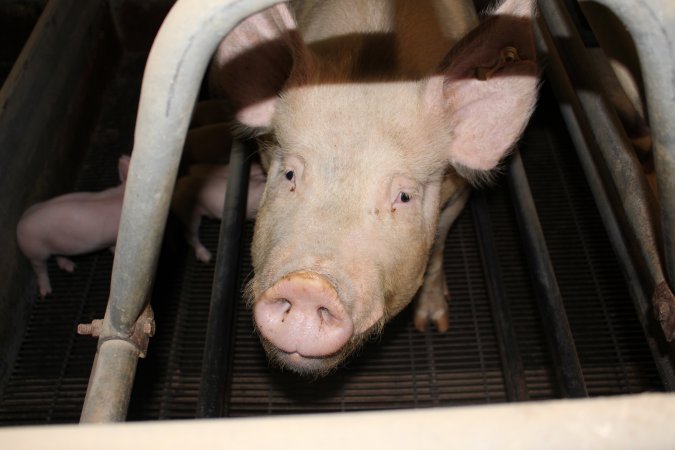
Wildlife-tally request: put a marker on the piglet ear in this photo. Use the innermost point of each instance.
(487, 88)
(253, 62)
(123, 167)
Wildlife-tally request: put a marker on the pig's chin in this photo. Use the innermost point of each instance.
(317, 366)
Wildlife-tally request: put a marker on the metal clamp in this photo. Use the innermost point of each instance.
(144, 329)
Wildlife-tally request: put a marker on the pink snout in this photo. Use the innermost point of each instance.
(302, 314)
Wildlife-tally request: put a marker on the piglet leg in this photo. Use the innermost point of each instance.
(40, 269)
(65, 264)
(192, 236)
(202, 193)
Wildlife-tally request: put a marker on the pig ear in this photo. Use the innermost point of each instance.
(487, 88)
(123, 167)
(253, 62)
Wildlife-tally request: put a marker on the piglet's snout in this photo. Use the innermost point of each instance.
(302, 314)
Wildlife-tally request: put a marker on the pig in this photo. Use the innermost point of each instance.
(202, 193)
(376, 117)
(71, 224)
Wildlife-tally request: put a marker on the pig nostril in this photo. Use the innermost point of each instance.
(285, 305)
(325, 315)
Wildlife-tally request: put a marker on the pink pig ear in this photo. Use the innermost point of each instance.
(123, 167)
(487, 88)
(253, 62)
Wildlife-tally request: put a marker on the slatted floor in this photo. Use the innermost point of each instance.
(403, 368)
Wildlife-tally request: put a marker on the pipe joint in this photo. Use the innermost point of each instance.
(143, 330)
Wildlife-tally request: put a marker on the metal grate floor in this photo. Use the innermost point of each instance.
(403, 368)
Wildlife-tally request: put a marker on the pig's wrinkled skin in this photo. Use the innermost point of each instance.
(202, 193)
(71, 224)
(373, 114)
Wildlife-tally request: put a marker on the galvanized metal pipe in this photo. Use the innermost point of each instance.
(556, 326)
(225, 290)
(176, 65)
(615, 148)
(651, 23)
(621, 163)
(109, 389)
(628, 256)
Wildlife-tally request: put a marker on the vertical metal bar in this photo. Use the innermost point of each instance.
(551, 305)
(109, 390)
(512, 363)
(628, 255)
(176, 65)
(225, 290)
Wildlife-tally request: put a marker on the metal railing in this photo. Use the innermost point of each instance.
(177, 63)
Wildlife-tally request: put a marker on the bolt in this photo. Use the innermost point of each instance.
(84, 329)
(90, 329)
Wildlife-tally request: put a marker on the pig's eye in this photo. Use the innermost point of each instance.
(290, 176)
(404, 197)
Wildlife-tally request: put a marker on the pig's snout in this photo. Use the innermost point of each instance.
(302, 315)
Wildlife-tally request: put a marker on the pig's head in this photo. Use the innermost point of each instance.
(356, 163)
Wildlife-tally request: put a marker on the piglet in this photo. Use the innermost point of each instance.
(202, 193)
(71, 224)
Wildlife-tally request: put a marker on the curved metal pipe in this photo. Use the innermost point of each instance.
(651, 23)
(614, 147)
(175, 67)
(628, 255)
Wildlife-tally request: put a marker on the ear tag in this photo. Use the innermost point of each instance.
(506, 55)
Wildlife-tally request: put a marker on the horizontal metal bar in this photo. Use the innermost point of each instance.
(620, 423)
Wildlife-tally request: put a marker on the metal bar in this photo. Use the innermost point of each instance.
(625, 422)
(176, 65)
(651, 23)
(616, 152)
(225, 290)
(551, 306)
(109, 389)
(512, 363)
(628, 256)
